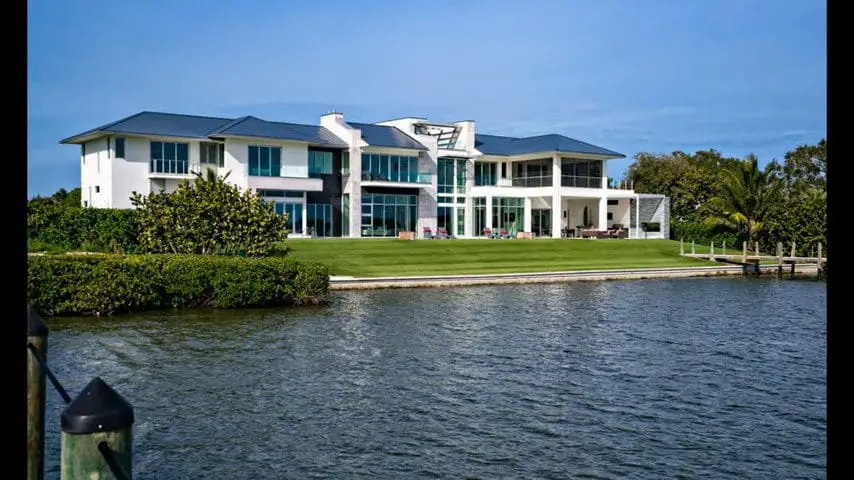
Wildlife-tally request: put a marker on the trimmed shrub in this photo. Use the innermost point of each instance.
(704, 234)
(107, 284)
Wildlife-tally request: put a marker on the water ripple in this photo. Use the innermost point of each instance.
(687, 378)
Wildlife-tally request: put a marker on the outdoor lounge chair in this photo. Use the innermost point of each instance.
(442, 233)
(487, 232)
(503, 233)
(427, 233)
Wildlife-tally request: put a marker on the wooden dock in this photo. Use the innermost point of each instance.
(752, 261)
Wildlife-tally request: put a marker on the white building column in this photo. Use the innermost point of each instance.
(488, 213)
(557, 205)
(637, 216)
(602, 224)
(526, 223)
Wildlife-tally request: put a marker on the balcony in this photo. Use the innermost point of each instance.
(171, 169)
(580, 182)
(540, 181)
(398, 177)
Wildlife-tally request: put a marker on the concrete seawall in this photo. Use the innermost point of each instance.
(354, 283)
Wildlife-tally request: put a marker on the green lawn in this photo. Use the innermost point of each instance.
(393, 257)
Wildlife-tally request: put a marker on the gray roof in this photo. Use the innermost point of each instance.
(193, 126)
(255, 127)
(386, 136)
(506, 146)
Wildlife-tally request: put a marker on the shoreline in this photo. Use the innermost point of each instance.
(370, 283)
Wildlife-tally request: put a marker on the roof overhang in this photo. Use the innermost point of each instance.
(552, 153)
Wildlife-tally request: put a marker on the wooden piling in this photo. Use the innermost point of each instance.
(779, 259)
(793, 250)
(693, 250)
(97, 436)
(744, 253)
(681, 247)
(724, 247)
(712, 251)
(818, 267)
(37, 333)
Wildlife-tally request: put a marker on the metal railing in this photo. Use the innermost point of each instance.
(540, 181)
(95, 419)
(411, 177)
(580, 181)
(177, 167)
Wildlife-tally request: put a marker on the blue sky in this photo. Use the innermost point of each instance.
(739, 76)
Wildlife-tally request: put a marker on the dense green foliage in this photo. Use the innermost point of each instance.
(716, 198)
(60, 223)
(208, 216)
(106, 284)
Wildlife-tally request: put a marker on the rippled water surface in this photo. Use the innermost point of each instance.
(684, 378)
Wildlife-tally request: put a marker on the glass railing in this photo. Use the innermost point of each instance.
(580, 182)
(411, 177)
(177, 167)
(541, 181)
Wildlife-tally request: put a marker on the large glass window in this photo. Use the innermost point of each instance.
(479, 204)
(385, 215)
(319, 219)
(294, 212)
(508, 213)
(319, 163)
(281, 193)
(345, 162)
(461, 221)
(445, 178)
(265, 161)
(170, 157)
(444, 217)
(391, 168)
(461, 176)
(485, 173)
(212, 154)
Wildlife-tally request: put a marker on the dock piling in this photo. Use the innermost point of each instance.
(779, 259)
(743, 253)
(693, 250)
(712, 251)
(681, 247)
(818, 267)
(37, 333)
(97, 439)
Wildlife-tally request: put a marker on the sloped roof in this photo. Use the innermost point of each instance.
(255, 127)
(507, 146)
(194, 126)
(386, 136)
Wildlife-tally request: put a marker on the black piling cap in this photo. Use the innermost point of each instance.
(35, 325)
(98, 408)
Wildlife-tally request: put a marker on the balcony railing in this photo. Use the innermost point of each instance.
(580, 182)
(177, 167)
(540, 181)
(411, 177)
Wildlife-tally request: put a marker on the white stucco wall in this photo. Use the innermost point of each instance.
(95, 170)
(130, 174)
(294, 159)
(620, 212)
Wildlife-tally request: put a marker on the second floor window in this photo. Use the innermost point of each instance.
(170, 157)
(120, 147)
(265, 161)
(212, 154)
(319, 163)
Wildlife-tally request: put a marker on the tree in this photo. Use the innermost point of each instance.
(806, 167)
(208, 216)
(747, 194)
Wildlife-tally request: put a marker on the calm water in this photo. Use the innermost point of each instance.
(685, 378)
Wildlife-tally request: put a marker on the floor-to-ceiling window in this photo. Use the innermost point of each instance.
(541, 222)
(479, 204)
(294, 212)
(444, 217)
(391, 168)
(485, 173)
(445, 175)
(508, 213)
(461, 176)
(386, 215)
(319, 219)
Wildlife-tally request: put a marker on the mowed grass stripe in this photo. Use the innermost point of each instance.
(392, 257)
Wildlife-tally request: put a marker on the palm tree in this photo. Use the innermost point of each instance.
(746, 194)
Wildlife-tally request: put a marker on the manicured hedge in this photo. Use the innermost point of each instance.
(107, 284)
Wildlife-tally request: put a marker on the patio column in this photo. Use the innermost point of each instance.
(557, 205)
(526, 227)
(637, 216)
(488, 213)
(468, 226)
(602, 213)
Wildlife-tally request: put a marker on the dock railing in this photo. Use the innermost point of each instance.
(96, 426)
(752, 261)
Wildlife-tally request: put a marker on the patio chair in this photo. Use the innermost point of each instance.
(442, 233)
(487, 232)
(427, 233)
(503, 233)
